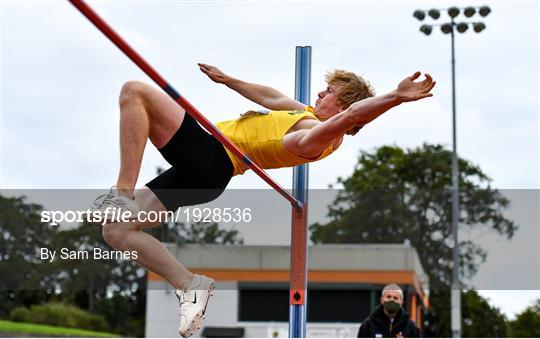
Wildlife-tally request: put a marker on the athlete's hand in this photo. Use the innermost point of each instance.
(214, 73)
(409, 90)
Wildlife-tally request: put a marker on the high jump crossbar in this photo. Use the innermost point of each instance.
(91, 15)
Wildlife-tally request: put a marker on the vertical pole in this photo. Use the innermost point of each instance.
(298, 269)
(455, 290)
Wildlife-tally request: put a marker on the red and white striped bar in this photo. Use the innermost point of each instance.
(190, 109)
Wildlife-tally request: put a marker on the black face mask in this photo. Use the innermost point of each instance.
(391, 307)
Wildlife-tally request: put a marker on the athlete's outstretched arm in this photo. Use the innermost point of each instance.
(265, 96)
(313, 141)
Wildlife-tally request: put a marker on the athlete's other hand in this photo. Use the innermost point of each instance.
(409, 90)
(214, 73)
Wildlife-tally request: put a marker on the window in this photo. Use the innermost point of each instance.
(326, 302)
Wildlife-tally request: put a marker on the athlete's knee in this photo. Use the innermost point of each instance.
(115, 236)
(131, 90)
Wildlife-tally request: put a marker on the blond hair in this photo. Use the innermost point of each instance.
(350, 88)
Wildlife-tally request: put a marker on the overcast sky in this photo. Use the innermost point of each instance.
(61, 77)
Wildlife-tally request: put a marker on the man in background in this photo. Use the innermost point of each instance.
(389, 320)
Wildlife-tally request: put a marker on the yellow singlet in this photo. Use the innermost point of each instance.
(259, 134)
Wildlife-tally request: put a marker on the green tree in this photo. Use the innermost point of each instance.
(125, 314)
(395, 194)
(479, 318)
(115, 289)
(196, 233)
(21, 234)
(102, 286)
(527, 323)
(84, 281)
(26, 280)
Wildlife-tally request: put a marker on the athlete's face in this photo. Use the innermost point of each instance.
(327, 104)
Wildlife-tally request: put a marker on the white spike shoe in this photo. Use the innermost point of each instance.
(193, 302)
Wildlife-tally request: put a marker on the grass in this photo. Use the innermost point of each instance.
(46, 330)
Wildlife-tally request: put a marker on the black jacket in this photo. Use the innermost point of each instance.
(378, 325)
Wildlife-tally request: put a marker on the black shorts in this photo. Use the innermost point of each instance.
(201, 168)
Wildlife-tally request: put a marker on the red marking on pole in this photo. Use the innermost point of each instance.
(158, 79)
(297, 297)
(298, 270)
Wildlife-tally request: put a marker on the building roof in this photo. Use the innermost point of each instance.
(359, 263)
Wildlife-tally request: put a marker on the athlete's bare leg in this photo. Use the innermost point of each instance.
(151, 253)
(145, 113)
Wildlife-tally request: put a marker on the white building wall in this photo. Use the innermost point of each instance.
(163, 318)
(162, 309)
(162, 313)
(222, 310)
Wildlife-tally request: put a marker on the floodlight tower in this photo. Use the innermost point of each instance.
(449, 27)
